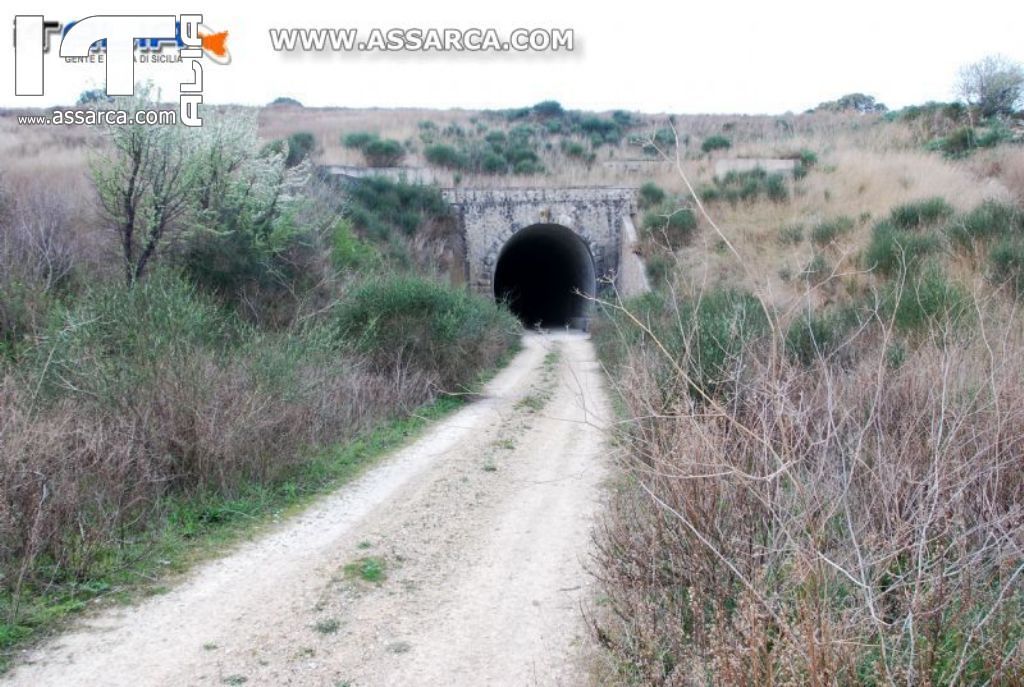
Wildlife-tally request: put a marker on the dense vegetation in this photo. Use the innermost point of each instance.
(246, 337)
(827, 492)
(822, 486)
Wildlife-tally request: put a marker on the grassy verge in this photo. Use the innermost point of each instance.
(197, 529)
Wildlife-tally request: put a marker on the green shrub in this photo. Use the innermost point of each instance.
(808, 158)
(817, 270)
(577, 150)
(791, 234)
(670, 222)
(496, 138)
(775, 188)
(746, 186)
(827, 231)
(986, 222)
(518, 113)
(650, 194)
(953, 112)
(920, 213)
(149, 407)
(600, 131)
(454, 130)
(720, 326)
(444, 155)
(521, 153)
(706, 337)
(852, 102)
(898, 241)
(111, 339)
(995, 134)
(805, 160)
(928, 300)
(816, 335)
(349, 252)
(383, 152)
(548, 108)
(295, 148)
(521, 135)
(528, 167)
(622, 118)
(892, 249)
(378, 206)
(555, 126)
(963, 141)
(443, 331)
(358, 140)
(958, 143)
(494, 163)
(300, 146)
(715, 142)
(92, 97)
(1006, 263)
(260, 270)
(615, 336)
(665, 137)
(659, 268)
(428, 131)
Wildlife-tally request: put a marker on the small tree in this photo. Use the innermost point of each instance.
(93, 96)
(853, 102)
(383, 152)
(301, 145)
(154, 181)
(548, 108)
(145, 180)
(993, 85)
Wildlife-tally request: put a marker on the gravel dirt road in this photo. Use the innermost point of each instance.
(458, 560)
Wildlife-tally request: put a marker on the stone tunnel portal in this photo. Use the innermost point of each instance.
(544, 273)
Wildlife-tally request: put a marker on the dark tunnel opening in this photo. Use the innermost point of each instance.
(540, 274)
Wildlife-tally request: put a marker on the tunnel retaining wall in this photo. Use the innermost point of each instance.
(490, 217)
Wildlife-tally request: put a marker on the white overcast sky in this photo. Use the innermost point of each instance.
(682, 56)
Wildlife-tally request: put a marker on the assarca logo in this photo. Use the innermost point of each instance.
(121, 40)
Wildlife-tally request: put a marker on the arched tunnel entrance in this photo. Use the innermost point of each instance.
(539, 272)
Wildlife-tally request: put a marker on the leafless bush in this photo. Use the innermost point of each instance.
(824, 524)
(37, 255)
(37, 244)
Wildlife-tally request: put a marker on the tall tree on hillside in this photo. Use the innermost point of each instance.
(993, 85)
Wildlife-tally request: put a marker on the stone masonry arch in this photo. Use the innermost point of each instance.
(599, 217)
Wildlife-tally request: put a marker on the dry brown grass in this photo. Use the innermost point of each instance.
(80, 476)
(859, 184)
(825, 525)
(854, 520)
(1003, 165)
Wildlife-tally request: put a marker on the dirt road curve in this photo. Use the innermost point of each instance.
(480, 531)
